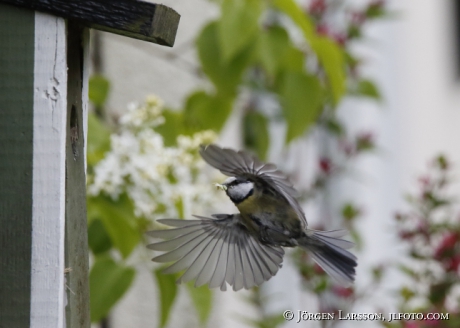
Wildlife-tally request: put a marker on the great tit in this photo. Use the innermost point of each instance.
(245, 249)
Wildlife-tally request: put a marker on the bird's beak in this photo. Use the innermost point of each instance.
(221, 186)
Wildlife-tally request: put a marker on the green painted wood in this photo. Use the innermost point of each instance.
(76, 236)
(136, 19)
(16, 136)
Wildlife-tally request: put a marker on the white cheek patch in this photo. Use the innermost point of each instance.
(241, 190)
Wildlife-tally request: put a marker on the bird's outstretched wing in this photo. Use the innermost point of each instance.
(216, 251)
(241, 163)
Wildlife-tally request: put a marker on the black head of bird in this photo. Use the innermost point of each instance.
(246, 248)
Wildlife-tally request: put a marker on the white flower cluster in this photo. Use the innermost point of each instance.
(169, 181)
(147, 115)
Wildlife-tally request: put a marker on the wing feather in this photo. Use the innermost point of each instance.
(182, 250)
(241, 163)
(171, 233)
(218, 277)
(194, 270)
(230, 274)
(216, 251)
(210, 266)
(248, 272)
(239, 270)
(267, 258)
(185, 255)
(178, 223)
(255, 265)
(174, 243)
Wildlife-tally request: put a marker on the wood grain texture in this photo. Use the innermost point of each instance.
(136, 19)
(76, 237)
(16, 153)
(48, 219)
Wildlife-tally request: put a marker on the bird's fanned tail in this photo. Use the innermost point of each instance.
(330, 252)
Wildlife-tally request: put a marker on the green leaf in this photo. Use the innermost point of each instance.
(118, 219)
(439, 292)
(330, 55)
(294, 60)
(168, 291)
(368, 88)
(407, 293)
(442, 162)
(335, 127)
(375, 10)
(377, 273)
(179, 204)
(356, 238)
(225, 75)
(202, 299)
(98, 90)
(321, 286)
(408, 271)
(350, 211)
(292, 9)
(275, 52)
(332, 59)
(301, 96)
(204, 111)
(271, 47)
(98, 140)
(98, 238)
(172, 127)
(238, 26)
(255, 133)
(108, 282)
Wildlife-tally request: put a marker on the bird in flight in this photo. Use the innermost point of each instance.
(245, 249)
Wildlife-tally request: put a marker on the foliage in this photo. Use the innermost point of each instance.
(137, 180)
(168, 291)
(99, 88)
(431, 231)
(250, 49)
(202, 299)
(147, 166)
(108, 282)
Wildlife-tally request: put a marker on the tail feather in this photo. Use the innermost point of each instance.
(332, 238)
(330, 253)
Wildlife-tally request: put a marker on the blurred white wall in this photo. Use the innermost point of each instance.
(410, 56)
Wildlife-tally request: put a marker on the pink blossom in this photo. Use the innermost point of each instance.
(410, 324)
(453, 263)
(447, 244)
(322, 29)
(325, 165)
(357, 18)
(340, 38)
(317, 7)
(318, 269)
(342, 291)
(424, 181)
